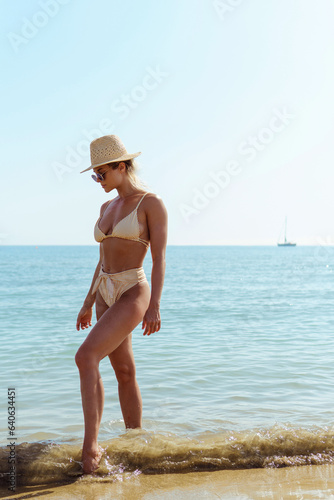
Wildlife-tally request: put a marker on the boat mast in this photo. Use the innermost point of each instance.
(285, 230)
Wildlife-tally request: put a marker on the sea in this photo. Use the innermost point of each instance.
(240, 375)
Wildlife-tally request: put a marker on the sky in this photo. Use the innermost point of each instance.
(229, 101)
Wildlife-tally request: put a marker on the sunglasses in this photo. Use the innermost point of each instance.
(99, 177)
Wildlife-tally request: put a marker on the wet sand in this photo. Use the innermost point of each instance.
(305, 482)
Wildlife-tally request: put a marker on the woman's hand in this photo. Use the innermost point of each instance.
(152, 320)
(85, 317)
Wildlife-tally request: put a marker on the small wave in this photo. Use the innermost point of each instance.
(139, 451)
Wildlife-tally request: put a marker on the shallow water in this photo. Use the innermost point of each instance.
(138, 451)
(243, 361)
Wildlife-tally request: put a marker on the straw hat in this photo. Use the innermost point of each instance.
(108, 149)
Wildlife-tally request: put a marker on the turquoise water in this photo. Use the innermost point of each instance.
(245, 355)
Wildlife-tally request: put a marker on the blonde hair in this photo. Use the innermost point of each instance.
(131, 170)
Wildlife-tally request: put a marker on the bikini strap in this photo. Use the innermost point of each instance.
(140, 200)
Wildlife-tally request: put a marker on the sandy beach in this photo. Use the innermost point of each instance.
(306, 482)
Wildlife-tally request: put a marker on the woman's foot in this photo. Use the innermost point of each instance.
(91, 459)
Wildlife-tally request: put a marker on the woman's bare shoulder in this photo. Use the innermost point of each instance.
(152, 196)
(153, 199)
(153, 202)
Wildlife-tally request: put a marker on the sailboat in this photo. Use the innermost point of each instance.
(286, 243)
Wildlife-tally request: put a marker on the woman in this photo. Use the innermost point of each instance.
(127, 225)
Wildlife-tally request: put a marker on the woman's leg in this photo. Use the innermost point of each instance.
(92, 396)
(112, 328)
(123, 363)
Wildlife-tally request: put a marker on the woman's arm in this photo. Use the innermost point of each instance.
(86, 312)
(90, 298)
(157, 224)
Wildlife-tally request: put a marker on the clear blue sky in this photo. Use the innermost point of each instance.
(231, 105)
